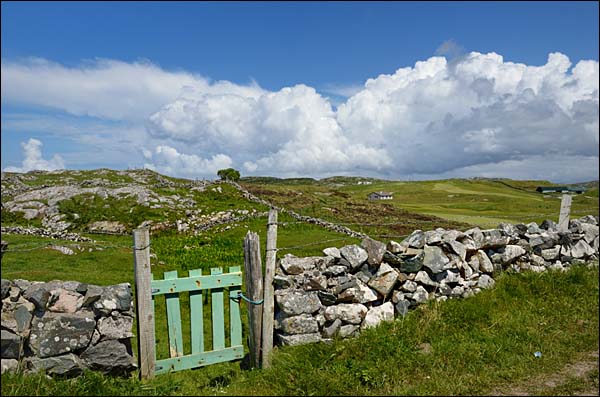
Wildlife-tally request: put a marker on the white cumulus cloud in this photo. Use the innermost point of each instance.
(481, 110)
(32, 151)
(169, 161)
(293, 131)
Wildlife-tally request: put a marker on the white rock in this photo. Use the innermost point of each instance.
(378, 314)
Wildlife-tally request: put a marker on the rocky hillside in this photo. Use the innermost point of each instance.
(66, 203)
(117, 201)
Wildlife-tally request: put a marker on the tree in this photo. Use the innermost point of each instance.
(229, 174)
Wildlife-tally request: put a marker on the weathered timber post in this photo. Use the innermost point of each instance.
(254, 290)
(143, 303)
(269, 302)
(3, 247)
(565, 209)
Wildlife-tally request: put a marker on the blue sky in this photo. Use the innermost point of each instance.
(189, 87)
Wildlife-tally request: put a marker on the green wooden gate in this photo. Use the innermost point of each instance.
(197, 285)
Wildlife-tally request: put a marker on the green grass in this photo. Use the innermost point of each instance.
(29, 258)
(478, 344)
(85, 209)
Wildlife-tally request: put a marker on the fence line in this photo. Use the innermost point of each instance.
(107, 232)
(70, 245)
(87, 244)
(26, 247)
(588, 212)
(313, 243)
(420, 221)
(17, 248)
(388, 236)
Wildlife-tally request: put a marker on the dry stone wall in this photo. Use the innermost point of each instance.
(359, 286)
(48, 233)
(64, 327)
(316, 221)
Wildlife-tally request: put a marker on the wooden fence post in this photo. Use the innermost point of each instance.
(3, 247)
(254, 289)
(143, 303)
(565, 209)
(269, 303)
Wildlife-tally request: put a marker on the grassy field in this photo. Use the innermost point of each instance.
(479, 345)
(458, 202)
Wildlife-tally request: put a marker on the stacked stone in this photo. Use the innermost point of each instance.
(36, 231)
(359, 286)
(64, 327)
(206, 222)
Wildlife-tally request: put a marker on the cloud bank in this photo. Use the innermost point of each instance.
(475, 116)
(104, 88)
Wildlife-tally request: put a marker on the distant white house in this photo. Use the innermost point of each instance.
(381, 196)
(364, 182)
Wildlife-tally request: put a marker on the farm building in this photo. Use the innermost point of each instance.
(381, 196)
(561, 189)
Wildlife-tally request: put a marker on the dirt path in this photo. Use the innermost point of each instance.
(561, 382)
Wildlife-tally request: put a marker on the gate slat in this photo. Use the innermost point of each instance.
(174, 320)
(235, 320)
(199, 359)
(196, 316)
(153, 316)
(218, 314)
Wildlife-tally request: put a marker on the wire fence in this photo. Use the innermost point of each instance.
(468, 216)
(519, 217)
(95, 245)
(28, 247)
(320, 242)
(425, 221)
